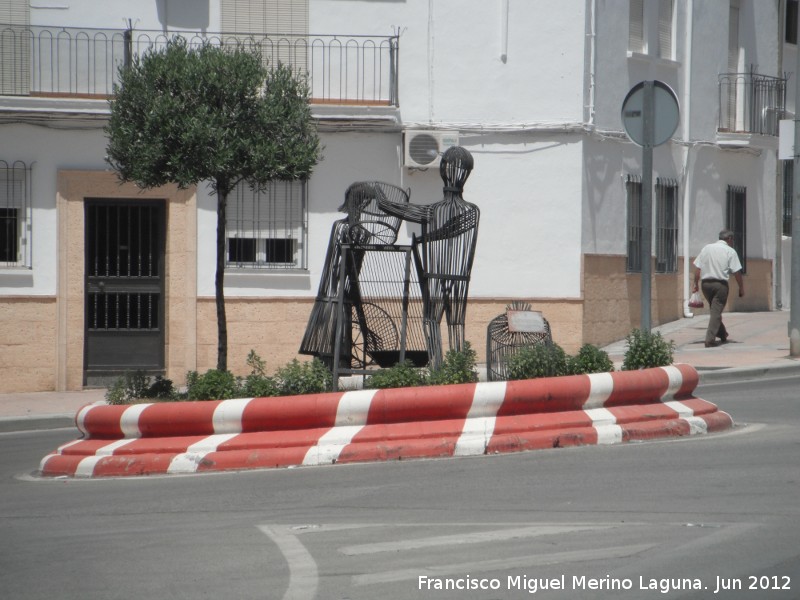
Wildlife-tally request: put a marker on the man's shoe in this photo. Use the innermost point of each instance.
(723, 340)
(711, 344)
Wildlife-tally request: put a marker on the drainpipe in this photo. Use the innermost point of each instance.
(592, 61)
(688, 165)
(504, 32)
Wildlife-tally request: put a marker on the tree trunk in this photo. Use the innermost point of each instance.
(219, 283)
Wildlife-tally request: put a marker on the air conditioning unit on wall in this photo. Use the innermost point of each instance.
(423, 148)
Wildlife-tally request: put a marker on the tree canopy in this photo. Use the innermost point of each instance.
(213, 114)
(182, 115)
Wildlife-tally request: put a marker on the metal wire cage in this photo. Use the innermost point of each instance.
(506, 334)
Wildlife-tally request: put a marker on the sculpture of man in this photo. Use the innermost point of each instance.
(445, 252)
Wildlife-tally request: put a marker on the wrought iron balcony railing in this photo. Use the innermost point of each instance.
(751, 103)
(63, 61)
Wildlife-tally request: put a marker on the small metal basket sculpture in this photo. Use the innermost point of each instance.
(518, 327)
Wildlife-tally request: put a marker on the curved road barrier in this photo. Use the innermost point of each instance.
(379, 425)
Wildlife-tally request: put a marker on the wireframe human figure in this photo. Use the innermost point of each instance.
(444, 252)
(365, 224)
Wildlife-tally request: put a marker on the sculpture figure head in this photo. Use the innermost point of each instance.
(455, 167)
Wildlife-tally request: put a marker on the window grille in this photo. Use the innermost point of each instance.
(15, 215)
(633, 190)
(666, 225)
(736, 222)
(267, 230)
(788, 196)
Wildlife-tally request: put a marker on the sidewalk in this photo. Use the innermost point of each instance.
(758, 346)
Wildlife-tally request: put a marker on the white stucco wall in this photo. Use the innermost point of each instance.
(47, 150)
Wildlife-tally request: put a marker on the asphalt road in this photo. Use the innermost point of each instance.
(645, 520)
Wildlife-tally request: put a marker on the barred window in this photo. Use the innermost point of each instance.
(633, 190)
(666, 225)
(267, 230)
(736, 222)
(15, 215)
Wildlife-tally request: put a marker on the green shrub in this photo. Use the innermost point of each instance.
(311, 377)
(538, 360)
(400, 375)
(457, 367)
(590, 359)
(135, 386)
(258, 384)
(646, 350)
(212, 385)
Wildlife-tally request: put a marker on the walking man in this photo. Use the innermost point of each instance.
(715, 264)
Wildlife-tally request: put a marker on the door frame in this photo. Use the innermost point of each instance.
(180, 273)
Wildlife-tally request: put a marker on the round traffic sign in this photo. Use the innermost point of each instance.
(664, 118)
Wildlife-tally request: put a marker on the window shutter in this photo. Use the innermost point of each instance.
(265, 16)
(665, 9)
(636, 26)
(15, 47)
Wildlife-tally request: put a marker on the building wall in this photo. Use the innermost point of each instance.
(550, 156)
(28, 349)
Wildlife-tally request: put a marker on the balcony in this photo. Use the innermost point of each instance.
(83, 63)
(751, 103)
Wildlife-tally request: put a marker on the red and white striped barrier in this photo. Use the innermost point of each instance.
(376, 425)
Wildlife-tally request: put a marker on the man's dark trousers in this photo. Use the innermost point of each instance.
(716, 293)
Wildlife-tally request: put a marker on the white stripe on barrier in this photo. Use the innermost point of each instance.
(353, 407)
(188, 461)
(129, 421)
(697, 425)
(479, 425)
(605, 424)
(81, 417)
(351, 416)
(601, 385)
(227, 416)
(86, 466)
(675, 381)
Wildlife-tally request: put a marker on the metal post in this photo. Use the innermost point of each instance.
(648, 133)
(794, 310)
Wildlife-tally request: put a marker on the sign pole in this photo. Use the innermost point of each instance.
(650, 115)
(648, 120)
(794, 297)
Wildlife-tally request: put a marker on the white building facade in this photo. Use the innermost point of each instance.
(533, 90)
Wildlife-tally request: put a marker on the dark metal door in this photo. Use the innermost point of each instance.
(124, 289)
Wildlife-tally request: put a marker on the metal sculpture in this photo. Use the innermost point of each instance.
(515, 329)
(364, 326)
(444, 252)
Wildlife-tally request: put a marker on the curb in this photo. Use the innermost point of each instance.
(36, 422)
(748, 373)
(380, 425)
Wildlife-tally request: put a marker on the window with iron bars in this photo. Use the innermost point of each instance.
(633, 191)
(736, 222)
(15, 215)
(269, 229)
(666, 225)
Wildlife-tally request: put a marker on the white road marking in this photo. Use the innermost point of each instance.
(303, 576)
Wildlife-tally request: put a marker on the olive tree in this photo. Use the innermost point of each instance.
(186, 115)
